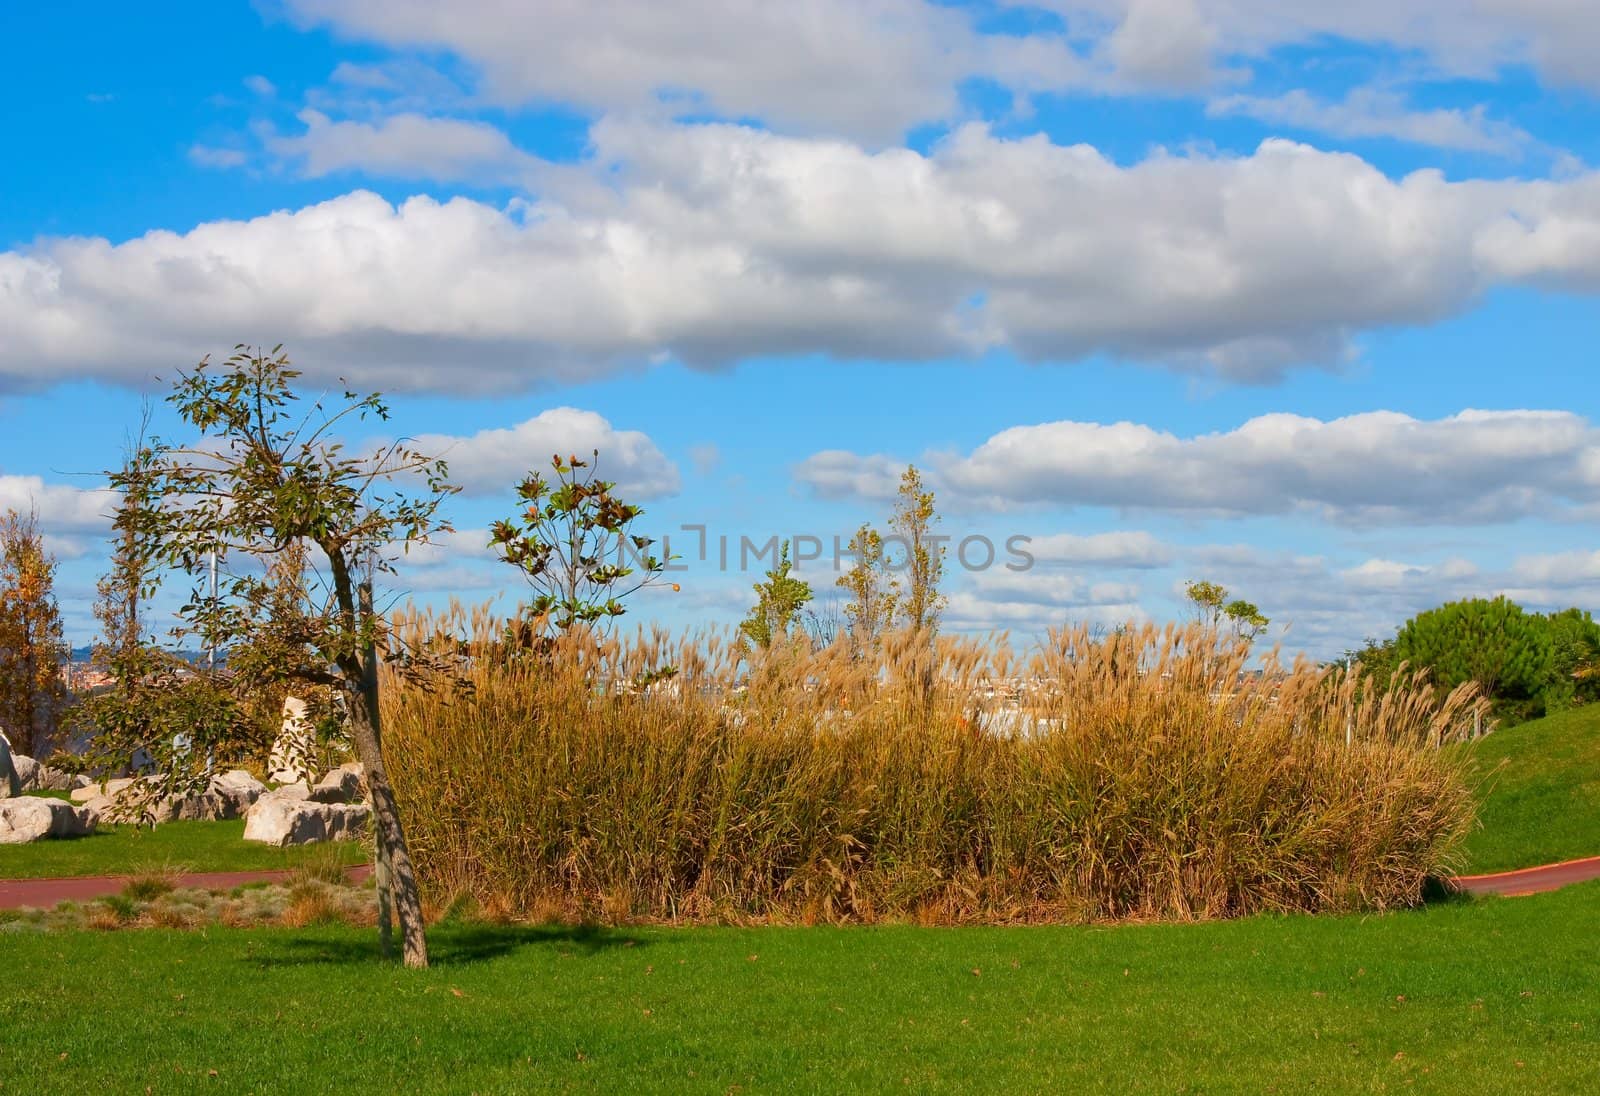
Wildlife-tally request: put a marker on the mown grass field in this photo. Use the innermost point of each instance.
(1539, 793)
(173, 847)
(1492, 995)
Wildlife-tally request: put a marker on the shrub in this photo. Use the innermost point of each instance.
(1144, 774)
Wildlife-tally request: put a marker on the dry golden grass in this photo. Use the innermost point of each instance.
(1142, 774)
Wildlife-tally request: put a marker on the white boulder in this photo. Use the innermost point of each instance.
(240, 788)
(45, 779)
(280, 820)
(29, 818)
(108, 790)
(27, 770)
(296, 741)
(10, 782)
(206, 806)
(342, 785)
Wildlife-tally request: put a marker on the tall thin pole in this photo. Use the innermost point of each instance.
(211, 651)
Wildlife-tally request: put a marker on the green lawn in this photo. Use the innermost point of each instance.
(1484, 996)
(1542, 781)
(174, 846)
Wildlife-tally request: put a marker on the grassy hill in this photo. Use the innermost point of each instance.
(1540, 789)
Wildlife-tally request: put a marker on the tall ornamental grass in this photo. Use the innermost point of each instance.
(1143, 774)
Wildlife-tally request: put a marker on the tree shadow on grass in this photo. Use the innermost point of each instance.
(449, 944)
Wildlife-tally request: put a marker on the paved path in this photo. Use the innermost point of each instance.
(1548, 877)
(45, 893)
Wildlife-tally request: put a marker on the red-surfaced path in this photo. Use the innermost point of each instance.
(1547, 877)
(45, 893)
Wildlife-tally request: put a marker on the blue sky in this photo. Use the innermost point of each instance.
(1296, 299)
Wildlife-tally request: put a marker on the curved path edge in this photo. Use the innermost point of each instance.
(45, 893)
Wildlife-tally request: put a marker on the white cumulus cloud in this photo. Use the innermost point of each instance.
(715, 243)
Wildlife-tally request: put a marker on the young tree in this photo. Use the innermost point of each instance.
(911, 523)
(132, 576)
(779, 601)
(1247, 620)
(33, 647)
(160, 707)
(574, 544)
(266, 475)
(1207, 600)
(870, 609)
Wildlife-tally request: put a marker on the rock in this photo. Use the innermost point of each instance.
(342, 785)
(32, 819)
(100, 810)
(206, 806)
(279, 820)
(46, 779)
(109, 790)
(298, 792)
(27, 770)
(10, 782)
(296, 740)
(240, 788)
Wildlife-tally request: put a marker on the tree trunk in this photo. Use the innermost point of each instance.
(389, 837)
(384, 878)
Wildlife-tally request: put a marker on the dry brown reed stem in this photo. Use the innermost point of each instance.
(1145, 773)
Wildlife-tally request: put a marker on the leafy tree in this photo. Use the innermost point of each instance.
(1376, 658)
(911, 522)
(873, 595)
(573, 542)
(268, 475)
(1493, 642)
(1247, 620)
(33, 647)
(1207, 600)
(779, 601)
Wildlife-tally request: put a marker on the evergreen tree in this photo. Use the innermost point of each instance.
(1506, 651)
